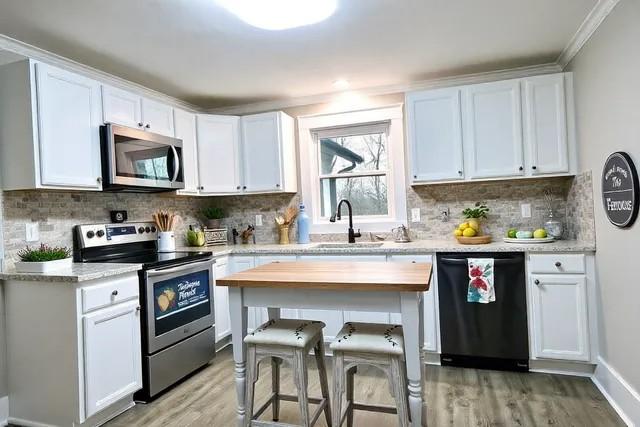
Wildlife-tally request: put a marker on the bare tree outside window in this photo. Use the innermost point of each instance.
(354, 166)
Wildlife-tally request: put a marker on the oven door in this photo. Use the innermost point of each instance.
(179, 303)
(135, 158)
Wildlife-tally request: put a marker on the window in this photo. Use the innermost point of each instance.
(356, 156)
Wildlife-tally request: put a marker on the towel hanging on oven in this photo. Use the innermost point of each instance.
(481, 288)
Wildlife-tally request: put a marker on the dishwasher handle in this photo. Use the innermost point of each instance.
(464, 261)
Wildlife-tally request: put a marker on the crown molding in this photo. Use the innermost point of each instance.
(598, 14)
(33, 52)
(460, 80)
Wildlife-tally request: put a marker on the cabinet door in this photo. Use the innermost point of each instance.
(69, 129)
(221, 295)
(157, 117)
(121, 107)
(493, 130)
(431, 318)
(559, 309)
(545, 125)
(218, 154)
(434, 127)
(262, 152)
(185, 126)
(112, 360)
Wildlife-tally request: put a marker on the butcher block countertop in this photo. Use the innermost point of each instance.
(338, 275)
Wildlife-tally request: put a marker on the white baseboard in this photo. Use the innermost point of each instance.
(4, 410)
(624, 398)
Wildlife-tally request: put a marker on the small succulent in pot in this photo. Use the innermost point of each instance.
(43, 259)
(213, 214)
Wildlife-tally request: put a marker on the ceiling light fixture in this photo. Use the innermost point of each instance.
(280, 14)
(341, 84)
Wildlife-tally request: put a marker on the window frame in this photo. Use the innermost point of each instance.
(309, 126)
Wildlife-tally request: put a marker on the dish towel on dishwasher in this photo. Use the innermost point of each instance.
(481, 280)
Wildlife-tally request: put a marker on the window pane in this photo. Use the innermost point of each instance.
(357, 153)
(367, 194)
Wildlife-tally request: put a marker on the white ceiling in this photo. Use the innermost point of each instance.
(198, 52)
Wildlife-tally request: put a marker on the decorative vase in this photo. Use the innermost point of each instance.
(213, 223)
(284, 234)
(554, 227)
(43, 266)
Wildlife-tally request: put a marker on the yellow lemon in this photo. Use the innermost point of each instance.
(457, 232)
(469, 232)
(463, 226)
(473, 223)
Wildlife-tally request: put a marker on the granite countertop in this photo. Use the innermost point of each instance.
(416, 247)
(79, 272)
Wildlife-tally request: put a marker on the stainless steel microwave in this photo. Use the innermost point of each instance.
(134, 160)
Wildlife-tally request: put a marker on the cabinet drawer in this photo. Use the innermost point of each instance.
(112, 292)
(560, 263)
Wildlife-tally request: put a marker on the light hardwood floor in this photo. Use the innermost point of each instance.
(456, 397)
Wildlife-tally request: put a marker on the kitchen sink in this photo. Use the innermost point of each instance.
(349, 245)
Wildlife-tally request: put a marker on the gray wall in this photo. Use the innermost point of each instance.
(607, 90)
(3, 349)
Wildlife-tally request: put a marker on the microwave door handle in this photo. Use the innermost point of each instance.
(183, 267)
(176, 164)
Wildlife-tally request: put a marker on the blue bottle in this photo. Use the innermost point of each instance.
(303, 226)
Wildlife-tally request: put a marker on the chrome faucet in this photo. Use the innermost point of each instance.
(338, 216)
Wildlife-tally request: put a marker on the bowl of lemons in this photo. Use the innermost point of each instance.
(469, 232)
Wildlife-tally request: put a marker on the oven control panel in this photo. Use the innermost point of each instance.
(94, 235)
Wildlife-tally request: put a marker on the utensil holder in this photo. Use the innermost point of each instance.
(166, 241)
(284, 234)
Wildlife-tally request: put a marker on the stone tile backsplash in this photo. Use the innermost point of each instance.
(58, 211)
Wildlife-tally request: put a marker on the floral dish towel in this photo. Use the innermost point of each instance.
(481, 280)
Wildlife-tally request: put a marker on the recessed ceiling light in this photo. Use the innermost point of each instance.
(341, 84)
(280, 14)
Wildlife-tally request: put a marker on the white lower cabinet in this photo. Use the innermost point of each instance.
(431, 318)
(221, 300)
(112, 360)
(85, 365)
(559, 316)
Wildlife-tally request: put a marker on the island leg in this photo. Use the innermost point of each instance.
(238, 331)
(412, 307)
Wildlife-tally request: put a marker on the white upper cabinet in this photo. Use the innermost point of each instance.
(218, 154)
(560, 321)
(129, 109)
(157, 117)
(434, 133)
(185, 128)
(510, 129)
(121, 107)
(268, 153)
(493, 130)
(545, 124)
(68, 129)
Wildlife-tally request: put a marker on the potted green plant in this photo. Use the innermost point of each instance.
(213, 215)
(43, 259)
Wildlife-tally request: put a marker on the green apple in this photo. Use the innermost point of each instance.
(512, 233)
(540, 233)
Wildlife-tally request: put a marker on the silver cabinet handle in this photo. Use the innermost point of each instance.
(176, 163)
(183, 267)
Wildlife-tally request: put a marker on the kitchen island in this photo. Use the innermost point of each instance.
(361, 286)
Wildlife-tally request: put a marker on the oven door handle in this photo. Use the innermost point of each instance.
(183, 267)
(176, 163)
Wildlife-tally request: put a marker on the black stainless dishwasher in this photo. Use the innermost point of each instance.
(475, 335)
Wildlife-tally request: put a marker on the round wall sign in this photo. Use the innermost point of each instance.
(620, 189)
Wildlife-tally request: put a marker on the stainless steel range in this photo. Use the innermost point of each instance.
(176, 292)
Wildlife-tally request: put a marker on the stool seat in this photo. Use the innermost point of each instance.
(369, 338)
(286, 332)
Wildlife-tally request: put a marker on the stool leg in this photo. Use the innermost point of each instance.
(350, 401)
(250, 384)
(399, 386)
(338, 379)
(275, 387)
(322, 372)
(301, 380)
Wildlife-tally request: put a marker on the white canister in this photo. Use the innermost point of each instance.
(166, 241)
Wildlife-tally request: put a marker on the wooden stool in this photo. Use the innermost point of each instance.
(378, 345)
(286, 340)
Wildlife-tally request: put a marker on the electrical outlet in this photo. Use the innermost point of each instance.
(525, 209)
(258, 220)
(32, 232)
(415, 215)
